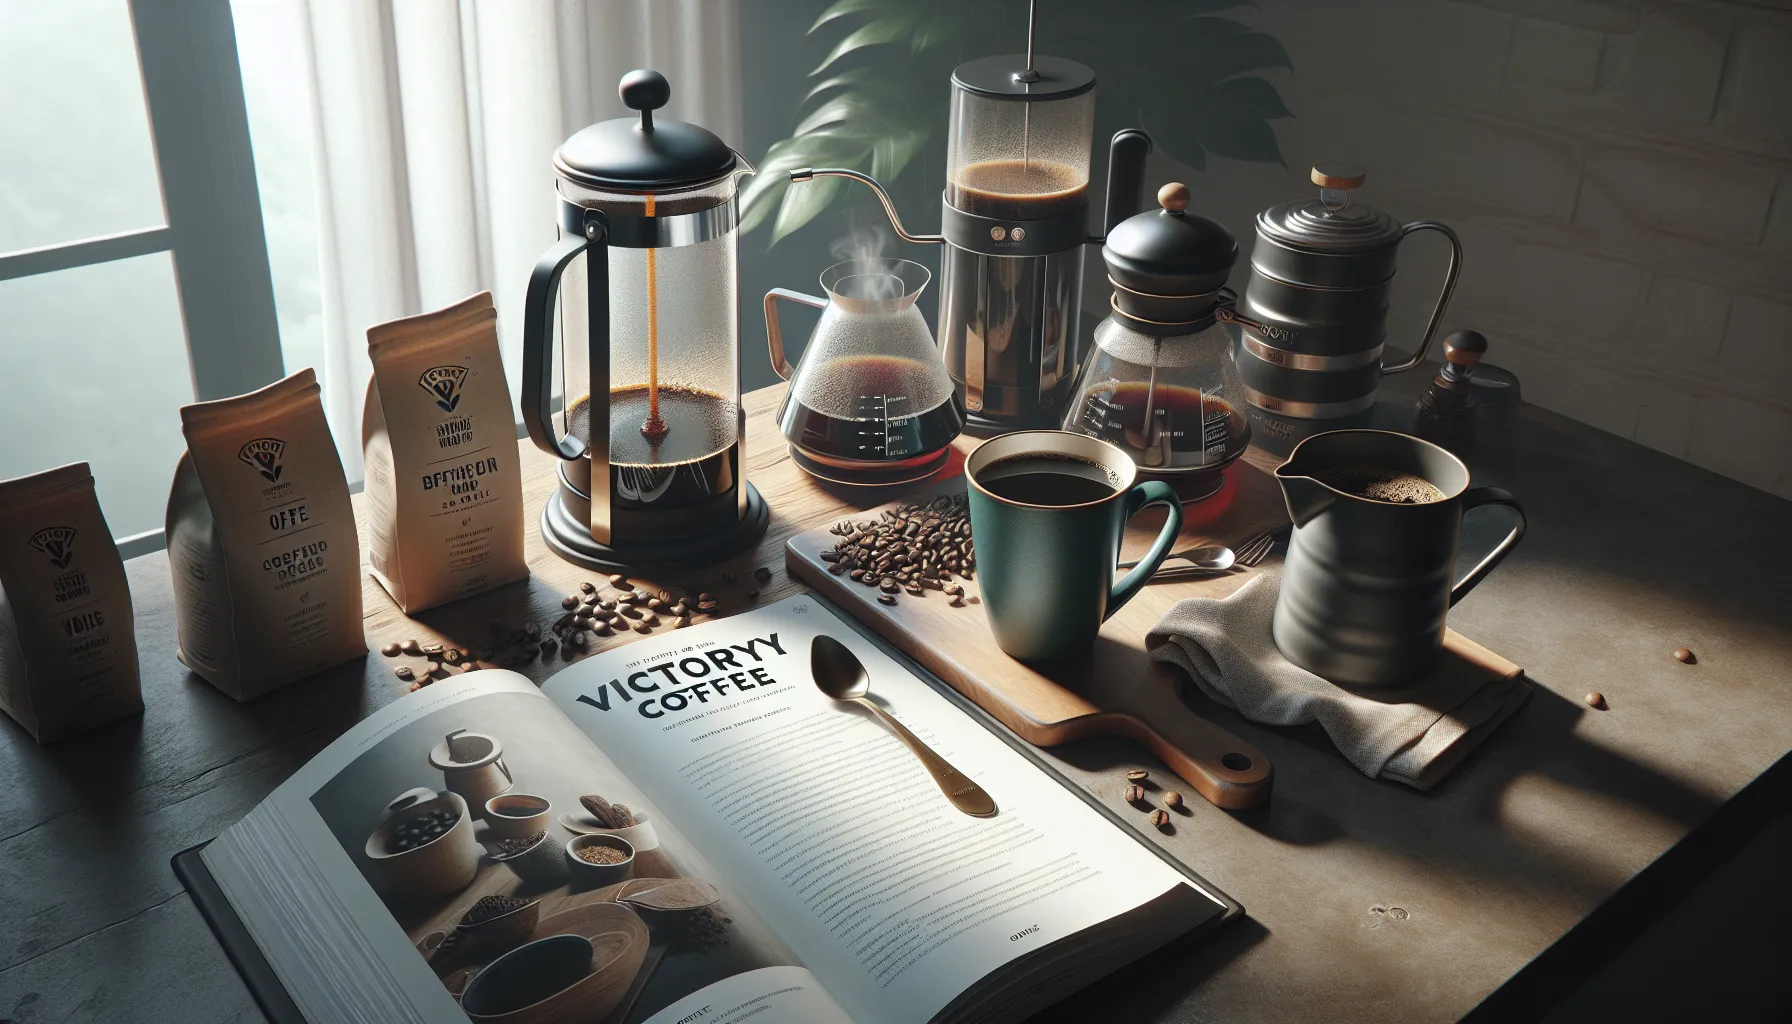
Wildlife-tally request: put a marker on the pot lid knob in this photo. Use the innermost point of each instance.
(1462, 350)
(1173, 197)
(647, 90)
(1335, 181)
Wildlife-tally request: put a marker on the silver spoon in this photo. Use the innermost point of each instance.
(839, 674)
(1211, 558)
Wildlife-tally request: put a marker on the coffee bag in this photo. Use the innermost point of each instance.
(261, 541)
(68, 647)
(444, 488)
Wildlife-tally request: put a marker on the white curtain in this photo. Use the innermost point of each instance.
(435, 123)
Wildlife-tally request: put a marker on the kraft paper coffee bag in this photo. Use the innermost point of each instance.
(68, 647)
(444, 488)
(261, 541)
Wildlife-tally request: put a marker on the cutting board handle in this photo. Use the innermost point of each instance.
(1224, 769)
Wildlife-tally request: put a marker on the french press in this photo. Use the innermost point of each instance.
(1014, 221)
(652, 438)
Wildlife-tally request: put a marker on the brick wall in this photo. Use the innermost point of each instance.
(1620, 174)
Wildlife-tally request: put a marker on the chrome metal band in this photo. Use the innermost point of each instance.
(631, 232)
(1188, 326)
(1309, 410)
(1302, 361)
(1154, 295)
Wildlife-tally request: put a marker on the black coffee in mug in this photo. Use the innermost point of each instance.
(1038, 478)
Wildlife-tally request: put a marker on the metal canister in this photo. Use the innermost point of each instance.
(1314, 314)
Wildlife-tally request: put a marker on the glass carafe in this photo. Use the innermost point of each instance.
(640, 292)
(869, 400)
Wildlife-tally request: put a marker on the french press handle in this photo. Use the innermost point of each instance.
(1443, 299)
(538, 342)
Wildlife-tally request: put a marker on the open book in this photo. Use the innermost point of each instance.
(685, 829)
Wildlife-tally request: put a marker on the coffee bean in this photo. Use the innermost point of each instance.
(451, 656)
(916, 591)
(889, 586)
(1160, 819)
(762, 574)
(404, 672)
(588, 587)
(392, 650)
(1172, 799)
(837, 568)
(548, 644)
(1596, 700)
(643, 628)
(666, 595)
(1135, 794)
(955, 590)
(681, 622)
(752, 595)
(886, 599)
(432, 650)
(1684, 655)
(607, 605)
(579, 638)
(602, 629)
(570, 601)
(651, 619)
(1138, 775)
(956, 601)
(708, 606)
(618, 580)
(655, 604)
(705, 597)
(412, 648)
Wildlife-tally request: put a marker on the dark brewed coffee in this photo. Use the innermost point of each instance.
(1378, 483)
(1041, 478)
(1018, 190)
(1188, 428)
(888, 418)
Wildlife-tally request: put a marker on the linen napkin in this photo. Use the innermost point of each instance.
(1413, 735)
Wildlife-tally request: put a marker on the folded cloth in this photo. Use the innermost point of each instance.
(1414, 735)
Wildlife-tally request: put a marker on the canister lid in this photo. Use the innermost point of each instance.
(1170, 251)
(1332, 222)
(1007, 77)
(644, 154)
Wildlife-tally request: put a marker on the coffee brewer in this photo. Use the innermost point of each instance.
(653, 463)
(1014, 221)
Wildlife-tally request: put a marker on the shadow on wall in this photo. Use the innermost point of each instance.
(1620, 174)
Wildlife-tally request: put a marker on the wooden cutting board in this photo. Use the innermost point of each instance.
(1116, 689)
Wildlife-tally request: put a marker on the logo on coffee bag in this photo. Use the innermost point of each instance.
(444, 383)
(58, 542)
(264, 455)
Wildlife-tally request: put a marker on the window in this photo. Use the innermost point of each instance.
(133, 263)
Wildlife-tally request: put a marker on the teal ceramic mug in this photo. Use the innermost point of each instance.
(1048, 509)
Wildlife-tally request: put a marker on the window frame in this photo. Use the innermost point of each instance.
(211, 206)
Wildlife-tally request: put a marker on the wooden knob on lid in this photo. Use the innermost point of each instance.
(1465, 348)
(1173, 197)
(1340, 176)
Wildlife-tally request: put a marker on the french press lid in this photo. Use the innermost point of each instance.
(1170, 252)
(1021, 76)
(1331, 222)
(644, 155)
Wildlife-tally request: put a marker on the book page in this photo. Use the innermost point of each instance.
(462, 805)
(826, 822)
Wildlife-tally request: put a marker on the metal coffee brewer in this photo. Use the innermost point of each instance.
(1314, 313)
(643, 279)
(1368, 581)
(1014, 221)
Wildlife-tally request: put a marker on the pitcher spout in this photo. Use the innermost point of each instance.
(1305, 496)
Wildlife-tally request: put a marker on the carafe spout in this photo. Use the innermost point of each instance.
(1305, 496)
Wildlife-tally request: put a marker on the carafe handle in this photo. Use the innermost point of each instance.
(1443, 299)
(538, 342)
(774, 335)
(1475, 498)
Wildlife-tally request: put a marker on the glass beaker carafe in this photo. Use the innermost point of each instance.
(641, 293)
(869, 401)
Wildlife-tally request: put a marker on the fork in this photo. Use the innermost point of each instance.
(1246, 555)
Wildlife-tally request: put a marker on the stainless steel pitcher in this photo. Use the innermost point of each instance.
(1314, 313)
(1367, 583)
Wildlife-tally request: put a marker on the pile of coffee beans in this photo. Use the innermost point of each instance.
(489, 907)
(512, 847)
(421, 830)
(911, 549)
(1138, 781)
(708, 928)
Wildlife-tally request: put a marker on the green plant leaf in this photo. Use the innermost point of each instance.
(859, 76)
(1232, 119)
(891, 153)
(842, 8)
(802, 205)
(872, 33)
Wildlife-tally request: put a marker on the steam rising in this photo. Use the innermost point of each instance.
(864, 247)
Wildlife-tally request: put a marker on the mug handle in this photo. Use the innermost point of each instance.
(1140, 498)
(1475, 498)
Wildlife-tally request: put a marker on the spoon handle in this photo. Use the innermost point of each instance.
(965, 795)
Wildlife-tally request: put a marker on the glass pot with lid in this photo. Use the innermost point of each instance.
(1160, 383)
(641, 293)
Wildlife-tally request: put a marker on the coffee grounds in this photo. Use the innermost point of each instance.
(1380, 484)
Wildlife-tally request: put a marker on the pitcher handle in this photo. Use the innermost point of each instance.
(774, 335)
(538, 349)
(1443, 298)
(1475, 498)
(1141, 497)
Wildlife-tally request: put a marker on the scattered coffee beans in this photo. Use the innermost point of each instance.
(421, 830)
(489, 907)
(1684, 655)
(1596, 700)
(1138, 775)
(762, 574)
(404, 672)
(512, 847)
(392, 650)
(1160, 819)
(412, 648)
(1135, 794)
(1172, 799)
